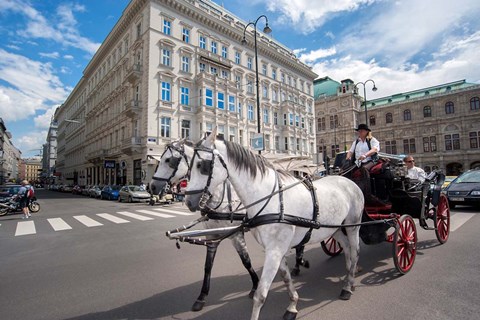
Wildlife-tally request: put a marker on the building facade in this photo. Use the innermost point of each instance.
(439, 125)
(50, 153)
(30, 169)
(178, 69)
(9, 157)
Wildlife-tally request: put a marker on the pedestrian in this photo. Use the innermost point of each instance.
(413, 172)
(23, 198)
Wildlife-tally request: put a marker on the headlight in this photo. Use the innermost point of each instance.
(475, 193)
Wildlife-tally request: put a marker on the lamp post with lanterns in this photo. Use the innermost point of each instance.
(365, 95)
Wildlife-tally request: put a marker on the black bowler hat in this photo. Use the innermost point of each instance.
(363, 126)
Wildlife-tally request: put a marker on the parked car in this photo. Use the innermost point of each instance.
(133, 193)
(77, 189)
(110, 192)
(465, 189)
(67, 189)
(86, 191)
(94, 192)
(448, 180)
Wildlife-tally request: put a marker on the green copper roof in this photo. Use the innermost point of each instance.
(325, 87)
(420, 93)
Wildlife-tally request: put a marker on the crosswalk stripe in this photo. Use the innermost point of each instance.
(154, 213)
(182, 213)
(134, 215)
(460, 219)
(24, 228)
(58, 224)
(87, 221)
(112, 218)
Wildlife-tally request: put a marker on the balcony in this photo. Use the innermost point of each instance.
(131, 145)
(134, 73)
(132, 108)
(97, 155)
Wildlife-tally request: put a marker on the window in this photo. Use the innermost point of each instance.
(407, 115)
(277, 142)
(475, 103)
(264, 69)
(452, 141)
(297, 121)
(267, 142)
(224, 52)
(409, 146)
(184, 96)
(165, 127)
(303, 123)
(202, 67)
(274, 74)
(166, 57)
(388, 118)
(449, 107)
(186, 35)
(139, 30)
(391, 147)
(185, 64)
(275, 118)
(333, 122)
(237, 57)
(167, 27)
(213, 70)
(427, 112)
(474, 139)
(213, 47)
(232, 134)
(224, 74)
(274, 95)
(249, 86)
(209, 97)
(290, 119)
(266, 116)
(321, 124)
(231, 103)
(372, 120)
(166, 86)
(249, 63)
(240, 110)
(265, 91)
(185, 129)
(250, 112)
(202, 42)
(221, 100)
(286, 143)
(284, 119)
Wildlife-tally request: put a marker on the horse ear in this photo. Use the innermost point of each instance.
(210, 140)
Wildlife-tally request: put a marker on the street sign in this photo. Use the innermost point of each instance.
(258, 142)
(109, 164)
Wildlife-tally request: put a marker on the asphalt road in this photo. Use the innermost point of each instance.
(65, 269)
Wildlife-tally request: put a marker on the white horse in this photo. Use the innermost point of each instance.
(279, 210)
(172, 168)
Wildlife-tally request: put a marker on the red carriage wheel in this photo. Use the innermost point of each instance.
(331, 247)
(442, 220)
(405, 244)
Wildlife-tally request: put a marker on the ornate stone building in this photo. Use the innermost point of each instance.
(177, 69)
(439, 125)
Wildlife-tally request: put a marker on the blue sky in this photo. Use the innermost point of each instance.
(403, 45)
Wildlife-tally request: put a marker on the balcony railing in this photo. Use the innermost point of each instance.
(132, 108)
(134, 72)
(131, 145)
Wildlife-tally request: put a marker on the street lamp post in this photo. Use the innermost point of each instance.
(365, 95)
(266, 30)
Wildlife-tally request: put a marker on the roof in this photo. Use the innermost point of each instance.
(325, 87)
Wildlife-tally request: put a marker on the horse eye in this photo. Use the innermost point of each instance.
(167, 160)
(199, 165)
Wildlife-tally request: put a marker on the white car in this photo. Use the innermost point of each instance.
(133, 193)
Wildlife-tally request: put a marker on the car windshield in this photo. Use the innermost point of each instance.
(135, 188)
(469, 177)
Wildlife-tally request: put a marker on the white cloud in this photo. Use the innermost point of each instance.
(52, 55)
(31, 144)
(13, 47)
(43, 121)
(315, 55)
(68, 57)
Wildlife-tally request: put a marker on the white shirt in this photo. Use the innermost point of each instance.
(362, 148)
(417, 174)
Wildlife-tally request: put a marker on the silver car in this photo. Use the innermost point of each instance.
(133, 193)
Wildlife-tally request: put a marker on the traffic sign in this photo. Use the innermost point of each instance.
(258, 142)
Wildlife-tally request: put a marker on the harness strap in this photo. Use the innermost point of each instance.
(309, 185)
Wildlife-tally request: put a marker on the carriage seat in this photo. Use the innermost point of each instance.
(404, 202)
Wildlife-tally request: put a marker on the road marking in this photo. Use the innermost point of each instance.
(112, 218)
(24, 228)
(156, 214)
(89, 222)
(58, 224)
(134, 215)
(182, 213)
(460, 219)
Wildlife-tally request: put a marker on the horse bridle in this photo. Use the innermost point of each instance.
(173, 162)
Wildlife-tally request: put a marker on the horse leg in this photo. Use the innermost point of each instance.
(238, 241)
(351, 245)
(272, 263)
(291, 312)
(211, 251)
(299, 261)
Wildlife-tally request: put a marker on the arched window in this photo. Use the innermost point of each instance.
(372, 120)
(449, 107)
(407, 115)
(475, 103)
(388, 118)
(427, 112)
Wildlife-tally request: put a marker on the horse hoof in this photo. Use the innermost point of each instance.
(198, 305)
(345, 295)
(289, 315)
(251, 294)
(306, 264)
(295, 272)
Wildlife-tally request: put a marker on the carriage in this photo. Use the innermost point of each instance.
(405, 200)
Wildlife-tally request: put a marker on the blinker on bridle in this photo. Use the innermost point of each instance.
(173, 162)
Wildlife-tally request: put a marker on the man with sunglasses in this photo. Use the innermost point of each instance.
(414, 173)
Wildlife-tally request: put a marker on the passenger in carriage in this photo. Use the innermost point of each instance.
(413, 172)
(364, 149)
